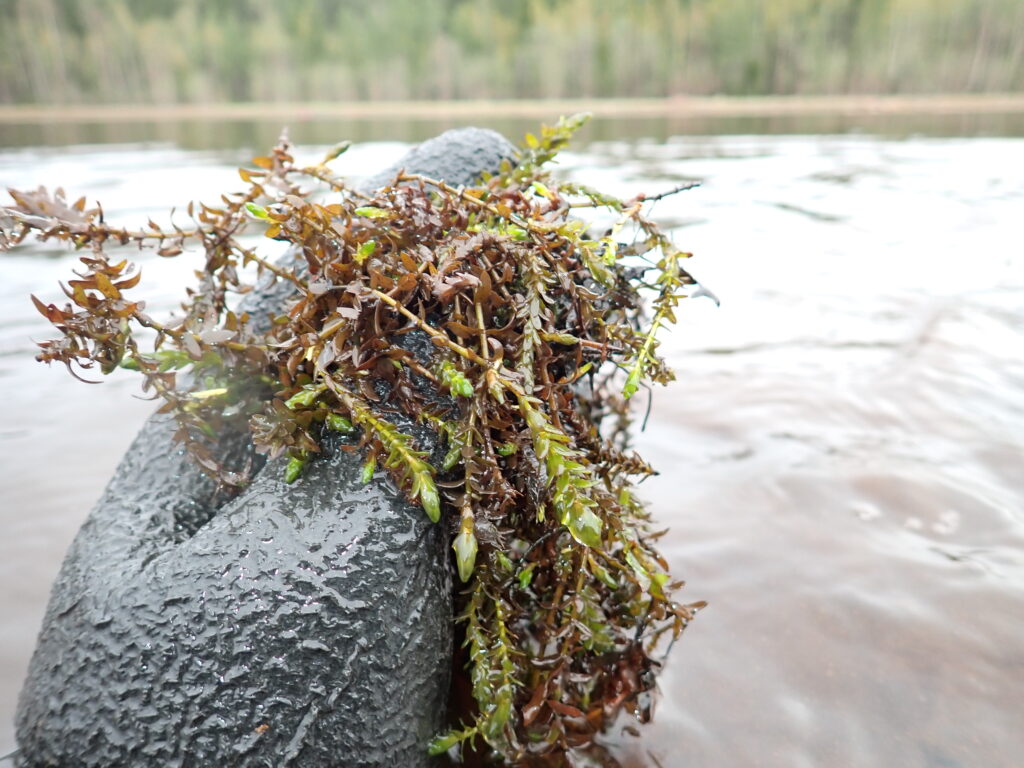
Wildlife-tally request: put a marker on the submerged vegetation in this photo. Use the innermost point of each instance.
(481, 345)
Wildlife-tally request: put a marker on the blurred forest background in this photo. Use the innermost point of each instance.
(205, 51)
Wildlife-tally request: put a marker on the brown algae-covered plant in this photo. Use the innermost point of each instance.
(491, 324)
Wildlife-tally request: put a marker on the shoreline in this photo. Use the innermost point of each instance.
(676, 107)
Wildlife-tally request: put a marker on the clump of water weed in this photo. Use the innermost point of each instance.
(538, 337)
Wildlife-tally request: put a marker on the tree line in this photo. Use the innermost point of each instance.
(200, 51)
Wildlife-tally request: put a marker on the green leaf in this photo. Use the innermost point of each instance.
(611, 251)
(336, 151)
(365, 251)
(304, 398)
(561, 338)
(465, 553)
(368, 469)
(172, 359)
(442, 744)
(294, 469)
(496, 722)
(632, 383)
(506, 449)
(603, 575)
(339, 424)
(257, 210)
(455, 380)
(585, 527)
(526, 576)
(542, 190)
(658, 581)
(642, 575)
(598, 268)
(428, 497)
(451, 458)
(372, 212)
(166, 360)
(206, 394)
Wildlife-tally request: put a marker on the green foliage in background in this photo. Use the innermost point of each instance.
(168, 51)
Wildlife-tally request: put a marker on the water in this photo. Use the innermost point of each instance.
(842, 454)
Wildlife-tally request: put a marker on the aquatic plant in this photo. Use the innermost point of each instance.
(481, 345)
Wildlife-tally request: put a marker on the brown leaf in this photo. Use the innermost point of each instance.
(564, 709)
(49, 311)
(532, 708)
(460, 330)
(130, 282)
(483, 293)
(444, 287)
(407, 281)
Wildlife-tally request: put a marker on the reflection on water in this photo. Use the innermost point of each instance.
(257, 135)
(841, 454)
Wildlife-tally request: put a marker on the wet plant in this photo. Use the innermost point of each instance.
(481, 345)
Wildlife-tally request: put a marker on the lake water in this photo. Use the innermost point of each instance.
(842, 454)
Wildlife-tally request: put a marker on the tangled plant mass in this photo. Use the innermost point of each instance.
(478, 344)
